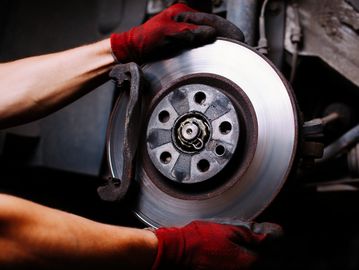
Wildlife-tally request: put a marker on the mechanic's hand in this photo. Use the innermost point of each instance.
(175, 28)
(205, 245)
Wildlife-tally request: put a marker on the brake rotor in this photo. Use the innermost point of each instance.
(244, 165)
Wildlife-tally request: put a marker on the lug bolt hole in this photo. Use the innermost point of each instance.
(165, 157)
(220, 150)
(164, 116)
(203, 165)
(200, 98)
(225, 127)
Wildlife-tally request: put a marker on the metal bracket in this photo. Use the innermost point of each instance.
(123, 131)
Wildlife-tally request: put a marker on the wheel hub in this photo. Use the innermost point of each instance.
(192, 133)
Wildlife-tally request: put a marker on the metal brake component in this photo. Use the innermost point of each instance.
(192, 133)
(124, 131)
(264, 110)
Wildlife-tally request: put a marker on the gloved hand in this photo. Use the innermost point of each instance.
(205, 245)
(175, 28)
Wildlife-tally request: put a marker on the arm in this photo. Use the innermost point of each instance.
(36, 86)
(33, 87)
(36, 237)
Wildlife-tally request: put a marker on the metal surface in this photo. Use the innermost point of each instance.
(275, 29)
(330, 31)
(192, 133)
(243, 13)
(313, 128)
(274, 147)
(353, 161)
(124, 131)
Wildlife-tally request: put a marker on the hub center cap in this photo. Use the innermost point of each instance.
(191, 133)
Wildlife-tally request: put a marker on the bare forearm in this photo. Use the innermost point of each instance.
(36, 86)
(33, 236)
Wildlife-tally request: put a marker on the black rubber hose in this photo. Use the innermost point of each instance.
(340, 145)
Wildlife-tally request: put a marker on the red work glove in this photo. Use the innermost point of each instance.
(175, 28)
(211, 246)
